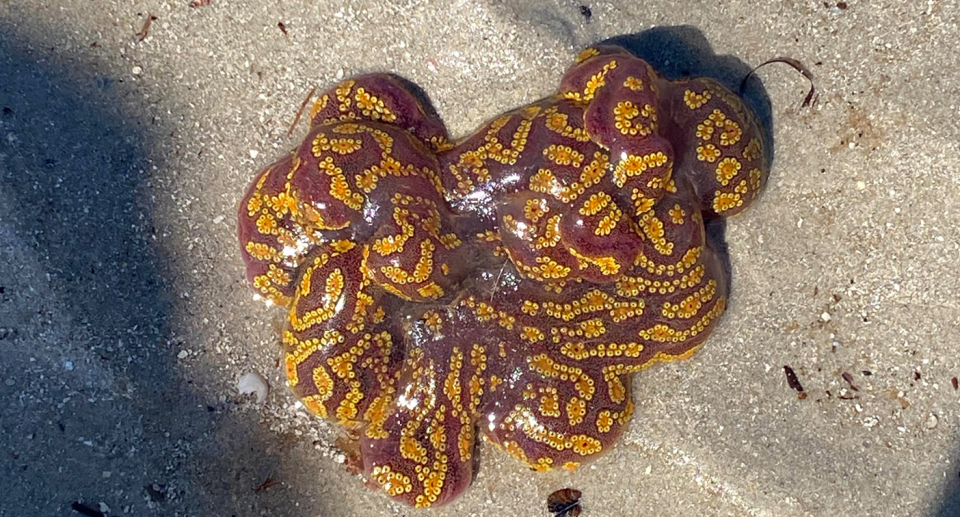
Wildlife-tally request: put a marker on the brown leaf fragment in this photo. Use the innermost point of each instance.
(956, 384)
(283, 29)
(564, 502)
(267, 483)
(849, 378)
(145, 30)
(792, 380)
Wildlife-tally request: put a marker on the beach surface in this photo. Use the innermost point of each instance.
(126, 321)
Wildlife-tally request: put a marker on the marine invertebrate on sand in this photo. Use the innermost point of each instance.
(509, 283)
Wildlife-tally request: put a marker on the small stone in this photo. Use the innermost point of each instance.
(932, 421)
(861, 185)
(825, 316)
(218, 219)
(183, 354)
(254, 153)
(253, 382)
(107, 474)
(339, 74)
(9, 382)
(104, 508)
(68, 366)
(137, 70)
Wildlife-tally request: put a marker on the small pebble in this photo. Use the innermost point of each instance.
(137, 70)
(254, 153)
(825, 316)
(9, 382)
(218, 219)
(68, 366)
(861, 185)
(253, 382)
(932, 421)
(183, 354)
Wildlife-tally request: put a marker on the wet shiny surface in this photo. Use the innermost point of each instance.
(509, 282)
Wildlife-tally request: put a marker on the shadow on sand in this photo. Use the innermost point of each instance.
(75, 165)
(683, 51)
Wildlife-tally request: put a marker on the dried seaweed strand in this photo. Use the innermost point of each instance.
(303, 106)
(798, 66)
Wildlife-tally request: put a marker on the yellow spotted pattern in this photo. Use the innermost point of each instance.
(591, 250)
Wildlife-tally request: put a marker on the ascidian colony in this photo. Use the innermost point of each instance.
(507, 284)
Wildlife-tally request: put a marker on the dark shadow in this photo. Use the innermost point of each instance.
(683, 51)
(715, 235)
(75, 165)
(950, 507)
(419, 94)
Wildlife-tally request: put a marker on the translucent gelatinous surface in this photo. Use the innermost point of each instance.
(507, 284)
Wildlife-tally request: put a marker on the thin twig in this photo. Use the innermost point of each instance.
(146, 27)
(798, 66)
(300, 111)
